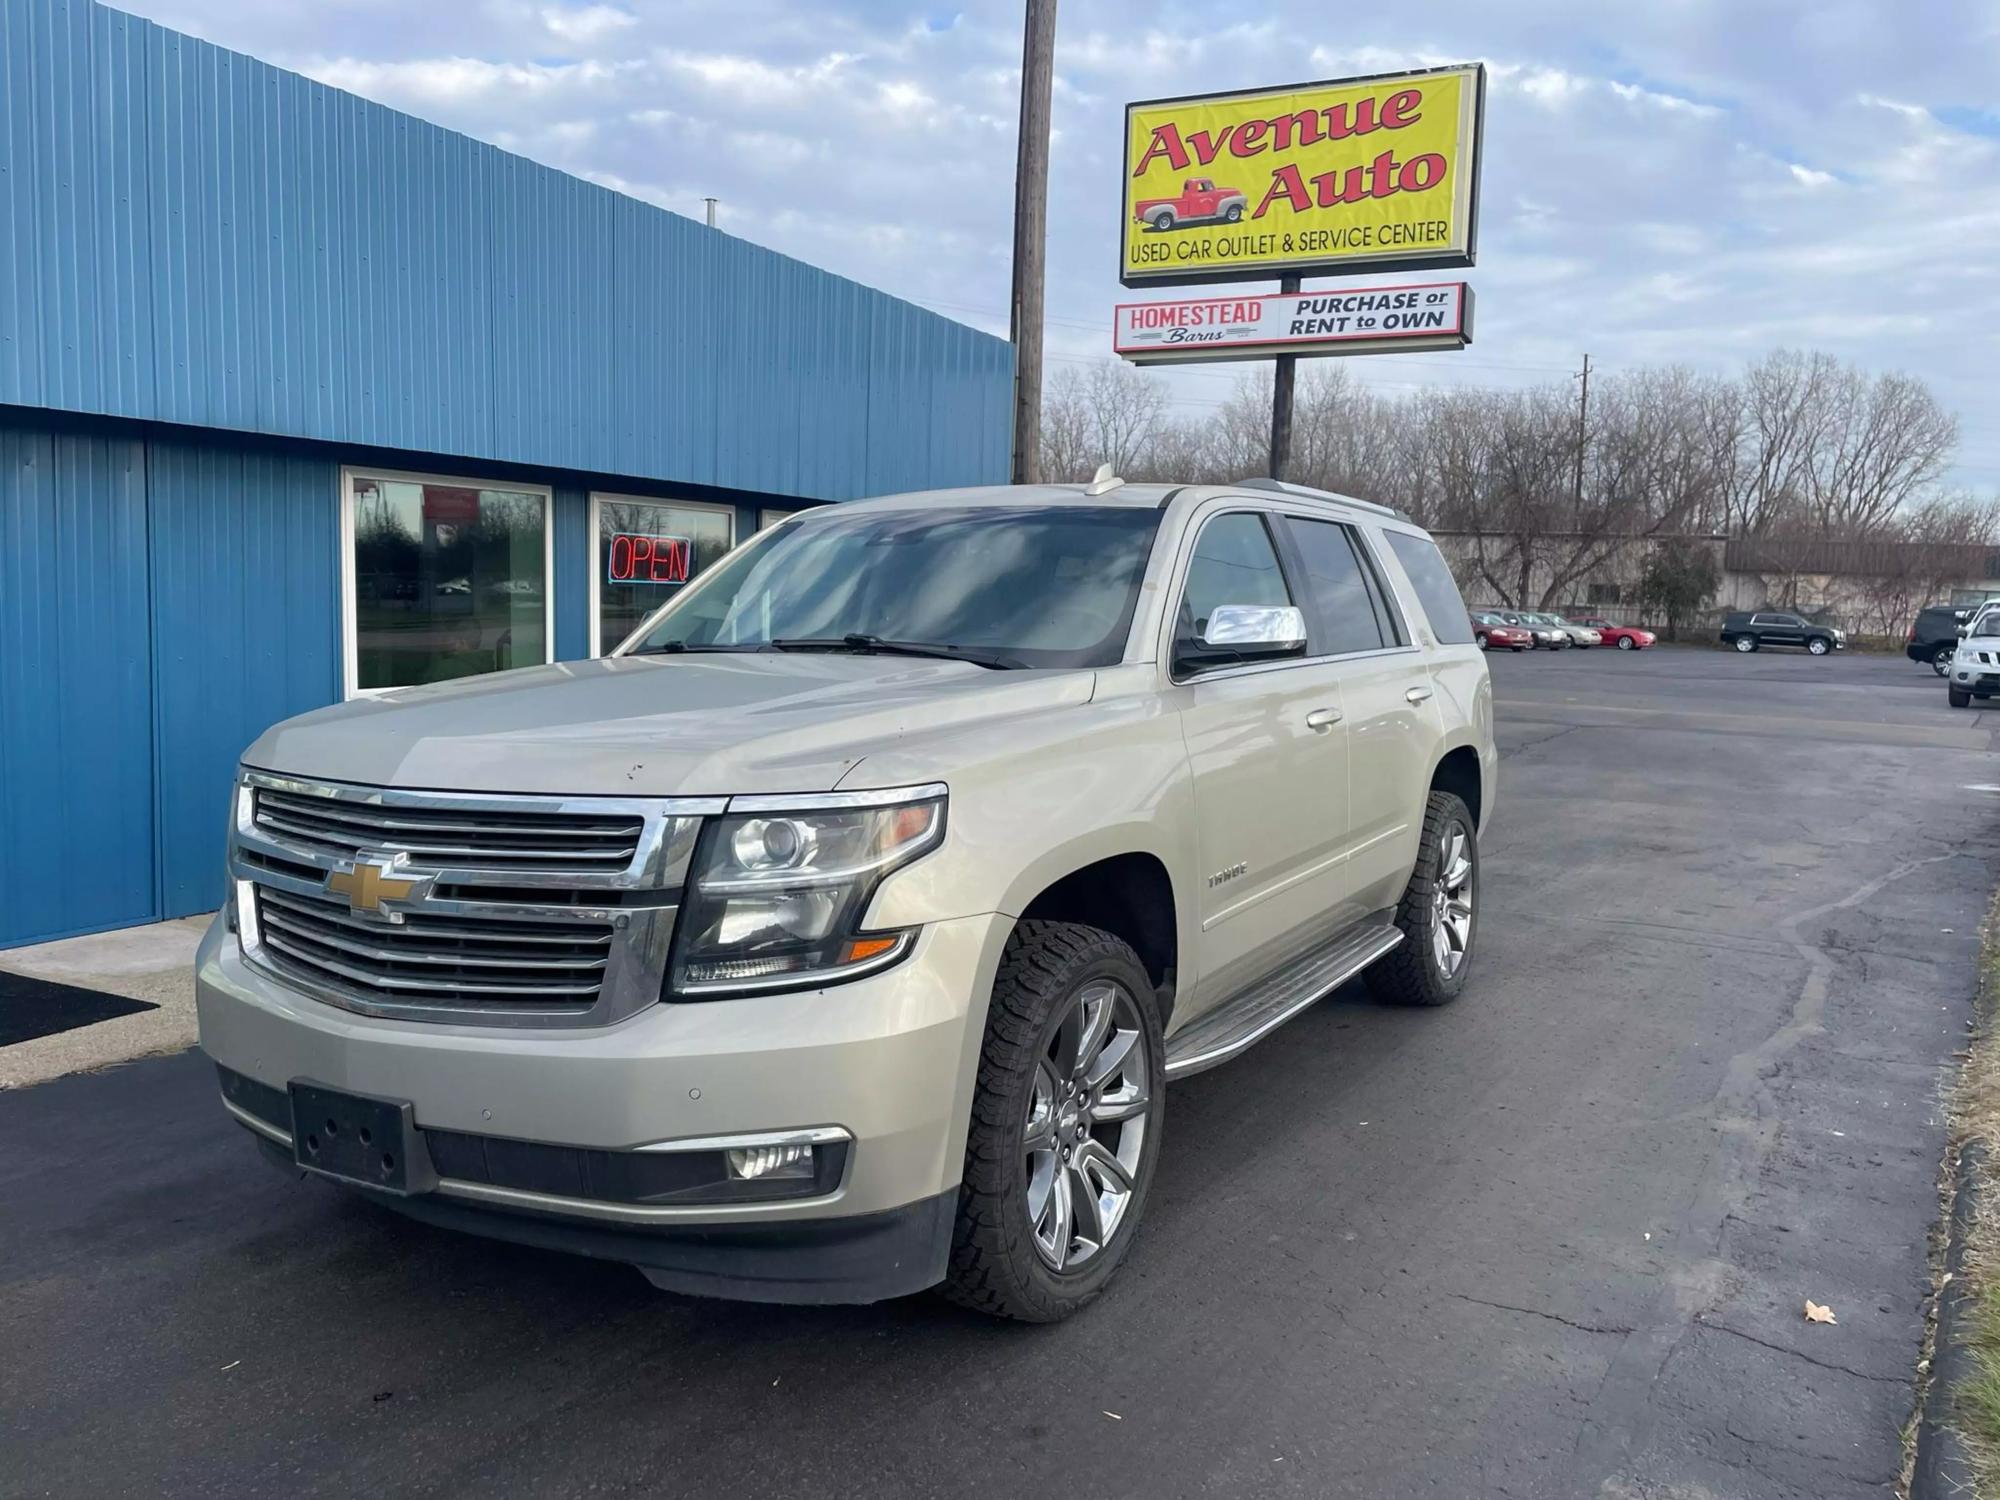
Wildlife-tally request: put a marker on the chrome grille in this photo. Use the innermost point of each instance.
(451, 836)
(507, 910)
(439, 960)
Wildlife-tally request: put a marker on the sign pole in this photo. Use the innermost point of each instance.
(1284, 371)
(1031, 204)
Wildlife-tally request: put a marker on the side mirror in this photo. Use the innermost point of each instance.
(1247, 632)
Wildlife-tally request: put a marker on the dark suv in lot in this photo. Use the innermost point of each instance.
(1770, 627)
(1934, 635)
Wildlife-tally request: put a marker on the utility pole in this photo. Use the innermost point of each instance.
(1582, 429)
(1284, 372)
(1031, 212)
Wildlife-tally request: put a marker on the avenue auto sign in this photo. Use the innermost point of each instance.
(1351, 320)
(1354, 174)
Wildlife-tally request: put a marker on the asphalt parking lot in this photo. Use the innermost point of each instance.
(1552, 1241)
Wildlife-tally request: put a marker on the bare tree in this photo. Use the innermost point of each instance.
(1105, 413)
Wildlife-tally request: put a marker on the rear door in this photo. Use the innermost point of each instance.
(1391, 723)
(1266, 745)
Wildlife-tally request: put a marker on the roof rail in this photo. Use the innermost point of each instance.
(1284, 487)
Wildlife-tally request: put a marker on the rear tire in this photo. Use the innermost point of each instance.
(1941, 659)
(1439, 912)
(1162, 221)
(1958, 697)
(998, 1264)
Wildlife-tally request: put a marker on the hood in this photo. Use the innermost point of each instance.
(653, 726)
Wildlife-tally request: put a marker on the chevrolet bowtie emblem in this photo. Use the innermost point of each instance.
(368, 885)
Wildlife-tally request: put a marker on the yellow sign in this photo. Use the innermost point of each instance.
(1356, 174)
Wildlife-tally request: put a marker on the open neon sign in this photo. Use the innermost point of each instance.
(649, 559)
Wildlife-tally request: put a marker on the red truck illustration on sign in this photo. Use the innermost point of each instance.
(1200, 202)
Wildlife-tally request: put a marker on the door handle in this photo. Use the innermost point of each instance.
(1418, 695)
(1323, 719)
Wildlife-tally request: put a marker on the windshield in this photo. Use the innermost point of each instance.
(1008, 586)
(1987, 624)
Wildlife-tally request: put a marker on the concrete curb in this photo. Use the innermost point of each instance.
(1942, 1469)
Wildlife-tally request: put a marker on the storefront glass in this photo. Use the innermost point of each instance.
(450, 580)
(646, 551)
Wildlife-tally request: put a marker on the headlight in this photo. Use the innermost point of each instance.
(780, 887)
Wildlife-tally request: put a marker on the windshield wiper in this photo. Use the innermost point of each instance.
(675, 648)
(874, 645)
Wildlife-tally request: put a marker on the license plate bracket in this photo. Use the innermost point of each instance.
(361, 1139)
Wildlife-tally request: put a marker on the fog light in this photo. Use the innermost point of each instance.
(771, 1163)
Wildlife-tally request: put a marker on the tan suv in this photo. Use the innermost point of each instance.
(837, 936)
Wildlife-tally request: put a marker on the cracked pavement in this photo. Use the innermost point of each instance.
(1552, 1241)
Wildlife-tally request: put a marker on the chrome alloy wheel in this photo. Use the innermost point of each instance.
(1451, 905)
(1085, 1134)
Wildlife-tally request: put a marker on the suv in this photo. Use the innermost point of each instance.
(838, 934)
(1934, 635)
(1750, 632)
(1974, 670)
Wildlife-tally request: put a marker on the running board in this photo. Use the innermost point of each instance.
(1267, 1005)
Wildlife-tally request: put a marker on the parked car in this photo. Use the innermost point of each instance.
(1579, 635)
(1751, 632)
(1495, 634)
(1200, 200)
(1975, 663)
(1547, 637)
(838, 935)
(1624, 637)
(1934, 635)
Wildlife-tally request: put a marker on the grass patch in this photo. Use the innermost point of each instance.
(1975, 1118)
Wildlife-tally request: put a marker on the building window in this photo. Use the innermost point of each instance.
(442, 578)
(767, 518)
(1604, 593)
(646, 552)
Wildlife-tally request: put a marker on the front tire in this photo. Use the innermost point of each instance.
(1626, 643)
(1066, 1124)
(1817, 646)
(1746, 643)
(1958, 697)
(1439, 912)
(1233, 214)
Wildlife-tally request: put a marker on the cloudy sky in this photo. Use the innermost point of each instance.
(1679, 180)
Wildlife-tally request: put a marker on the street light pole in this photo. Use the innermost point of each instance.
(1031, 205)
(1284, 373)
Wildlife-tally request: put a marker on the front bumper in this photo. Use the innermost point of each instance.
(889, 1060)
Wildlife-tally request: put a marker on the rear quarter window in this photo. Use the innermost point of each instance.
(1436, 590)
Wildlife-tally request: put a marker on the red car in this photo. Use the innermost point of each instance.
(1495, 634)
(1200, 199)
(1624, 637)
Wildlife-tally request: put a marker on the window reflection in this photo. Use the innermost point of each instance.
(449, 580)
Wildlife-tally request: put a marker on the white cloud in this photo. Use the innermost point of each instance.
(587, 24)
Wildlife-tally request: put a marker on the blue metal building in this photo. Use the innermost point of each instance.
(301, 397)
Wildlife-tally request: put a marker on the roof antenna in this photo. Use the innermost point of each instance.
(1103, 482)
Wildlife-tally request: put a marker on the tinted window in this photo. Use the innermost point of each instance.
(1340, 590)
(1436, 590)
(449, 580)
(1040, 586)
(1234, 563)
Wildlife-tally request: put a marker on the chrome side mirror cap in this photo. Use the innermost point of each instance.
(1255, 629)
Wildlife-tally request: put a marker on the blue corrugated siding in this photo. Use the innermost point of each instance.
(189, 235)
(76, 734)
(244, 550)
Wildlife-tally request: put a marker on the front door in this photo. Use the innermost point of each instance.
(1266, 749)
